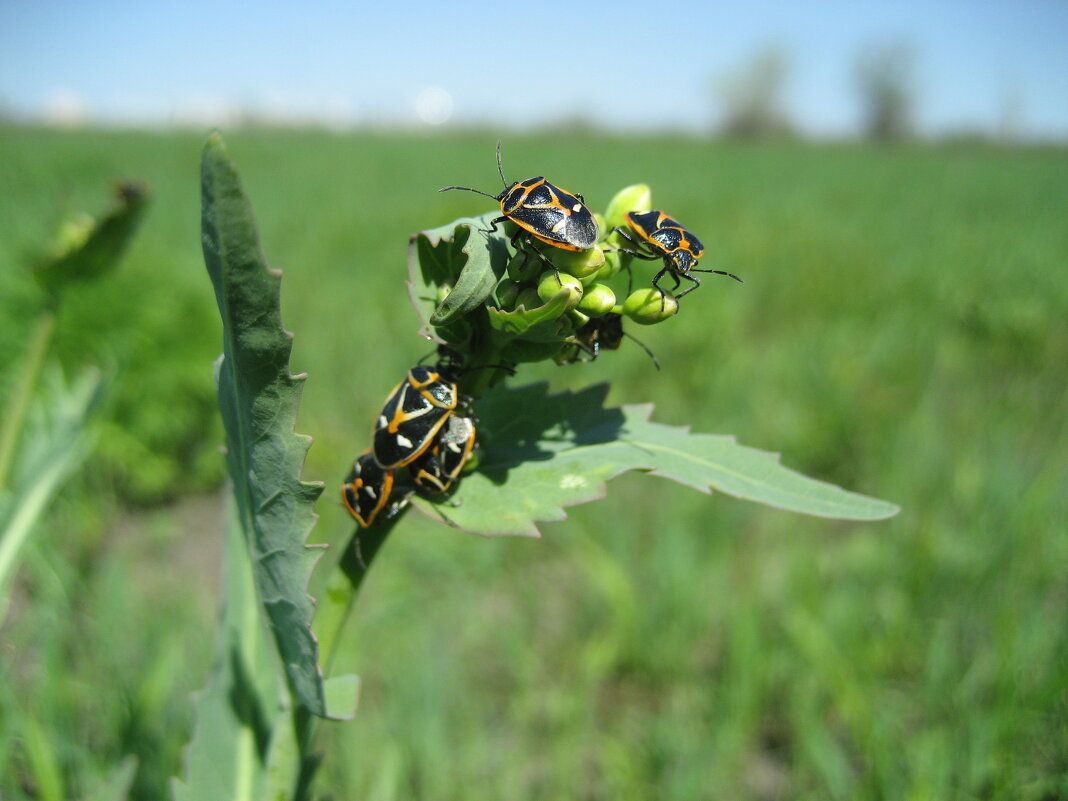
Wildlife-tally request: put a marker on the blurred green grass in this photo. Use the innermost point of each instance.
(902, 331)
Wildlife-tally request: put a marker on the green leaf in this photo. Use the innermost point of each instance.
(460, 258)
(342, 696)
(239, 711)
(539, 324)
(259, 400)
(86, 249)
(117, 785)
(541, 453)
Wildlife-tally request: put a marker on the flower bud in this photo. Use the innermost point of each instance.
(633, 198)
(649, 305)
(613, 263)
(580, 264)
(524, 267)
(507, 292)
(549, 287)
(578, 319)
(597, 300)
(529, 299)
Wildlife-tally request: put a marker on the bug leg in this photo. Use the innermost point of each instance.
(493, 226)
(688, 290)
(527, 246)
(656, 283)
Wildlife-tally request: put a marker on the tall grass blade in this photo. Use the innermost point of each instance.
(54, 443)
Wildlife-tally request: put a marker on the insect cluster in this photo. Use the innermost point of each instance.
(536, 279)
(425, 430)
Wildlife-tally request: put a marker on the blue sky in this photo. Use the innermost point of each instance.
(626, 65)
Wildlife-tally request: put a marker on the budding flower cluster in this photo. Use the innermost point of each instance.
(580, 285)
(556, 279)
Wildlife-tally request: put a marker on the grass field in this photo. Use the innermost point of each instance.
(903, 331)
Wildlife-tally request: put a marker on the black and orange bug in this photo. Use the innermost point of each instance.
(438, 468)
(366, 489)
(662, 237)
(604, 333)
(413, 414)
(542, 211)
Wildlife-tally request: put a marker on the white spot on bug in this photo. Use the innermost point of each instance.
(403, 441)
(382, 421)
(572, 481)
(560, 226)
(371, 491)
(577, 207)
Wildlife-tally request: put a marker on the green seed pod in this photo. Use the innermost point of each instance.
(649, 305)
(529, 299)
(507, 292)
(549, 287)
(578, 319)
(633, 198)
(524, 268)
(442, 293)
(613, 263)
(597, 300)
(581, 264)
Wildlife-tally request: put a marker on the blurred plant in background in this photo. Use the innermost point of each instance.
(40, 448)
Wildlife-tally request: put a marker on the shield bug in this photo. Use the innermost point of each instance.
(413, 414)
(658, 236)
(438, 468)
(543, 212)
(366, 489)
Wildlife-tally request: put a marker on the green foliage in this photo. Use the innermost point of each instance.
(259, 399)
(116, 786)
(240, 711)
(53, 444)
(899, 331)
(545, 452)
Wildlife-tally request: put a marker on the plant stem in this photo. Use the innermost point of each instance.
(20, 401)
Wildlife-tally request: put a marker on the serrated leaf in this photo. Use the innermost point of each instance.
(461, 257)
(539, 324)
(541, 453)
(259, 400)
(85, 249)
(477, 278)
(237, 714)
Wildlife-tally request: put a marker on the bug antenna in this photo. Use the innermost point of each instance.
(467, 189)
(640, 344)
(721, 272)
(500, 167)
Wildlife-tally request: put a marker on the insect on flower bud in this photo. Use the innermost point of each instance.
(597, 300)
(632, 198)
(648, 306)
(549, 287)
